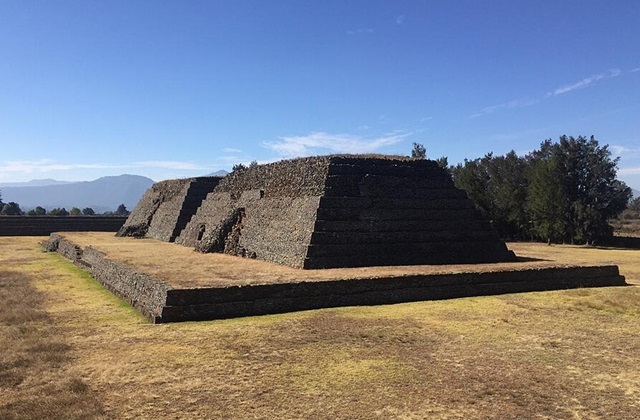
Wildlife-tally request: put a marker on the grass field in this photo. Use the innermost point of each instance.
(70, 349)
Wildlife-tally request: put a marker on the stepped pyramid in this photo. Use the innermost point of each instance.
(165, 209)
(342, 211)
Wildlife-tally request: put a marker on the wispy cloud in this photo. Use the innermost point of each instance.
(629, 158)
(50, 165)
(168, 164)
(231, 150)
(587, 81)
(361, 31)
(319, 143)
(618, 150)
(400, 19)
(629, 171)
(516, 103)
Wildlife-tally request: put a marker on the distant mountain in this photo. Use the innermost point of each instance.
(34, 183)
(635, 193)
(221, 172)
(103, 194)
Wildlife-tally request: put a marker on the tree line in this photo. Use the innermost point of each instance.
(565, 191)
(13, 209)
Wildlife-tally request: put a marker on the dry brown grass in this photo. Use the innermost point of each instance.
(564, 354)
(627, 226)
(36, 377)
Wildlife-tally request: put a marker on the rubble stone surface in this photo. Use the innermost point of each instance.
(167, 207)
(329, 212)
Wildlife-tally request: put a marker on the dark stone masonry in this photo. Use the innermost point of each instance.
(45, 225)
(324, 212)
(166, 207)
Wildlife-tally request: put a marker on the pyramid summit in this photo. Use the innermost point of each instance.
(326, 212)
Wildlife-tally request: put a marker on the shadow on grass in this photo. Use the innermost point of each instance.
(35, 381)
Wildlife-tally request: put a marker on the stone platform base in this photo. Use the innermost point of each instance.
(162, 301)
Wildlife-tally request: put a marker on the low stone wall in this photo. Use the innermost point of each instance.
(45, 225)
(623, 242)
(160, 302)
(220, 303)
(145, 293)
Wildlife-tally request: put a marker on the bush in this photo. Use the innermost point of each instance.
(11, 209)
(59, 212)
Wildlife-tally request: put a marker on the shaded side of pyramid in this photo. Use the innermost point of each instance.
(167, 207)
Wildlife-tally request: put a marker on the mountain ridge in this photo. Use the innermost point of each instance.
(102, 194)
(34, 183)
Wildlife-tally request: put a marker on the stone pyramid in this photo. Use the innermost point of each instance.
(343, 211)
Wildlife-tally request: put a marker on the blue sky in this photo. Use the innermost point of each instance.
(172, 89)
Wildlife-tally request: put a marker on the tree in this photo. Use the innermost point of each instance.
(11, 209)
(508, 186)
(498, 187)
(418, 151)
(74, 211)
(565, 191)
(38, 211)
(545, 202)
(582, 181)
(242, 167)
(443, 162)
(122, 210)
(88, 211)
(1, 203)
(472, 176)
(59, 212)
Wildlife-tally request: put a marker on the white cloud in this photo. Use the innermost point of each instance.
(319, 143)
(48, 165)
(516, 103)
(587, 81)
(231, 150)
(629, 171)
(363, 31)
(637, 69)
(625, 151)
(168, 164)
